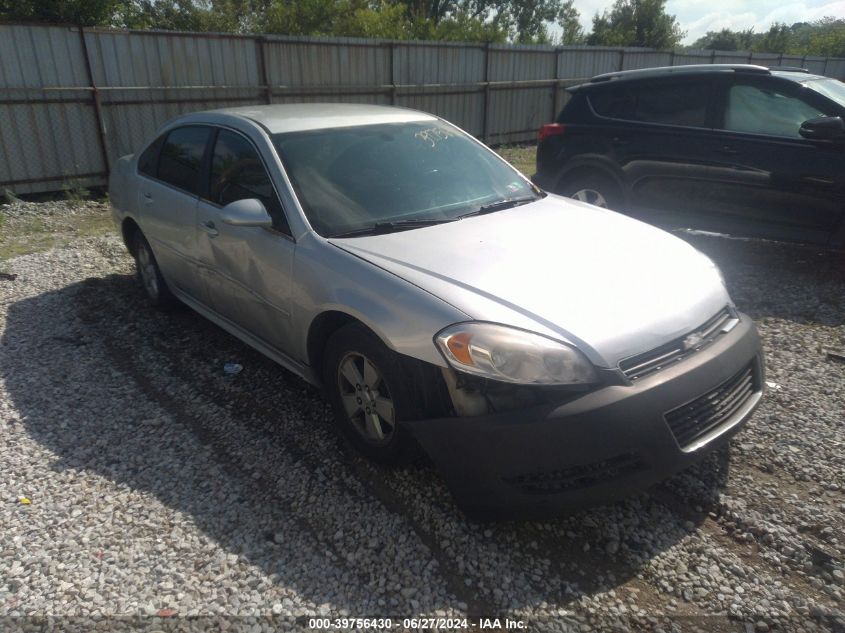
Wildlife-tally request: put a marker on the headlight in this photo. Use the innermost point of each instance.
(510, 355)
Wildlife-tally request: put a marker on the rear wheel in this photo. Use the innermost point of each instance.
(369, 394)
(150, 275)
(595, 189)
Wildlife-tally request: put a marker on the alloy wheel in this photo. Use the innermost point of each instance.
(366, 398)
(590, 196)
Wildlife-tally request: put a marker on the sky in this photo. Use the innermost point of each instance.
(699, 16)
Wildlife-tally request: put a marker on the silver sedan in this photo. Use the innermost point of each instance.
(543, 352)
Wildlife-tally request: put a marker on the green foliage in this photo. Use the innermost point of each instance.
(524, 21)
(626, 23)
(84, 12)
(636, 23)
(726, 40)
(823, 38)
(775, 40)
(568, 18)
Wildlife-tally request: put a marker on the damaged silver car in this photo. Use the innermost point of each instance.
(544, 353)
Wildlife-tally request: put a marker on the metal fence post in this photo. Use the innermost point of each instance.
(96, 102)
(485, 123)
(556, 84)
(392, 64)
(262, 68)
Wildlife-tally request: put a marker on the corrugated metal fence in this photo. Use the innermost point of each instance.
(73, 100)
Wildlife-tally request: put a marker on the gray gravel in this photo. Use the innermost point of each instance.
(158, 482)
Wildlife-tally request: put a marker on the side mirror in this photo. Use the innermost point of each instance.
(825, 128)
(246, 212)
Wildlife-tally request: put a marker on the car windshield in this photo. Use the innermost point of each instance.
(395, 176)
(830, 88)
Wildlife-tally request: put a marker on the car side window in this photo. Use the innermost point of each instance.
(682, 104)
(181, 156)
(237, 173)
(148, 160)
(761, 110)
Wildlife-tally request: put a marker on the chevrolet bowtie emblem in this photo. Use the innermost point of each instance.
(692, 341)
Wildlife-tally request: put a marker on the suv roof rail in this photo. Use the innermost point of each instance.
(791, 69)
(691, 68)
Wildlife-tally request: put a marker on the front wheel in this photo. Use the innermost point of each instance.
(369, 394)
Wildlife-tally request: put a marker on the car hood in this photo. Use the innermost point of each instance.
(599, 280)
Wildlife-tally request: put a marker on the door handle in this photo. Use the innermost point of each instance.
(728, 149)
(148, 199)
(210, 228)
(618, 140)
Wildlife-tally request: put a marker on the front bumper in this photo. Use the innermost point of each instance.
(602, 446)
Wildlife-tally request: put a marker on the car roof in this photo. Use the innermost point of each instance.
(295, 117)
(797, 75)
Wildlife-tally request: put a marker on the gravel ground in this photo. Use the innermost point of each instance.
(138, 479)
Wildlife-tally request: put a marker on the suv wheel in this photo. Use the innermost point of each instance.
(597, 190)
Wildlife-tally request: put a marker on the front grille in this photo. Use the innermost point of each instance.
(654, 360)
(705, 414)
(577, 477)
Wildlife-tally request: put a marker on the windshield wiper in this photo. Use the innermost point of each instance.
(380, 228)
(507, 203)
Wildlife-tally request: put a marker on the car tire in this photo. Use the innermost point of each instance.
(592, 188)
(149, 274)
(370, 395)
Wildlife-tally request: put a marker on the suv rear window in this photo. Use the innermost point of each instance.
(670, 104)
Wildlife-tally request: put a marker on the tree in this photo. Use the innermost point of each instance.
(524, 21)
(636, 23)
(828, 40)
(568, 18)
(82, 12)
(726, 40)
(775, 40)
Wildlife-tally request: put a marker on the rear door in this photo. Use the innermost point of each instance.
(768, 180)
(169, 179)
(656, 132)
(247, 270)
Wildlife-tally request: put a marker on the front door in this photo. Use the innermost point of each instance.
(769, 180)
(247, 270)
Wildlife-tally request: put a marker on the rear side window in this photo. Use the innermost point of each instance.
(181, 155)
(148, 161)
(765, 111)
(238, 173)
(670, 104)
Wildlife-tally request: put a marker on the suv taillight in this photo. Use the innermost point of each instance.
(551, 129)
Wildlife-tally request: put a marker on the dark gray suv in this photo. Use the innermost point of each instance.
(734, 148)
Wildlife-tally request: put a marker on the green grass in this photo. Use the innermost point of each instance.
(35, 235)
(520, 156)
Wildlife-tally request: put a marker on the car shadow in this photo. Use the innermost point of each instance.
(137, 397)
